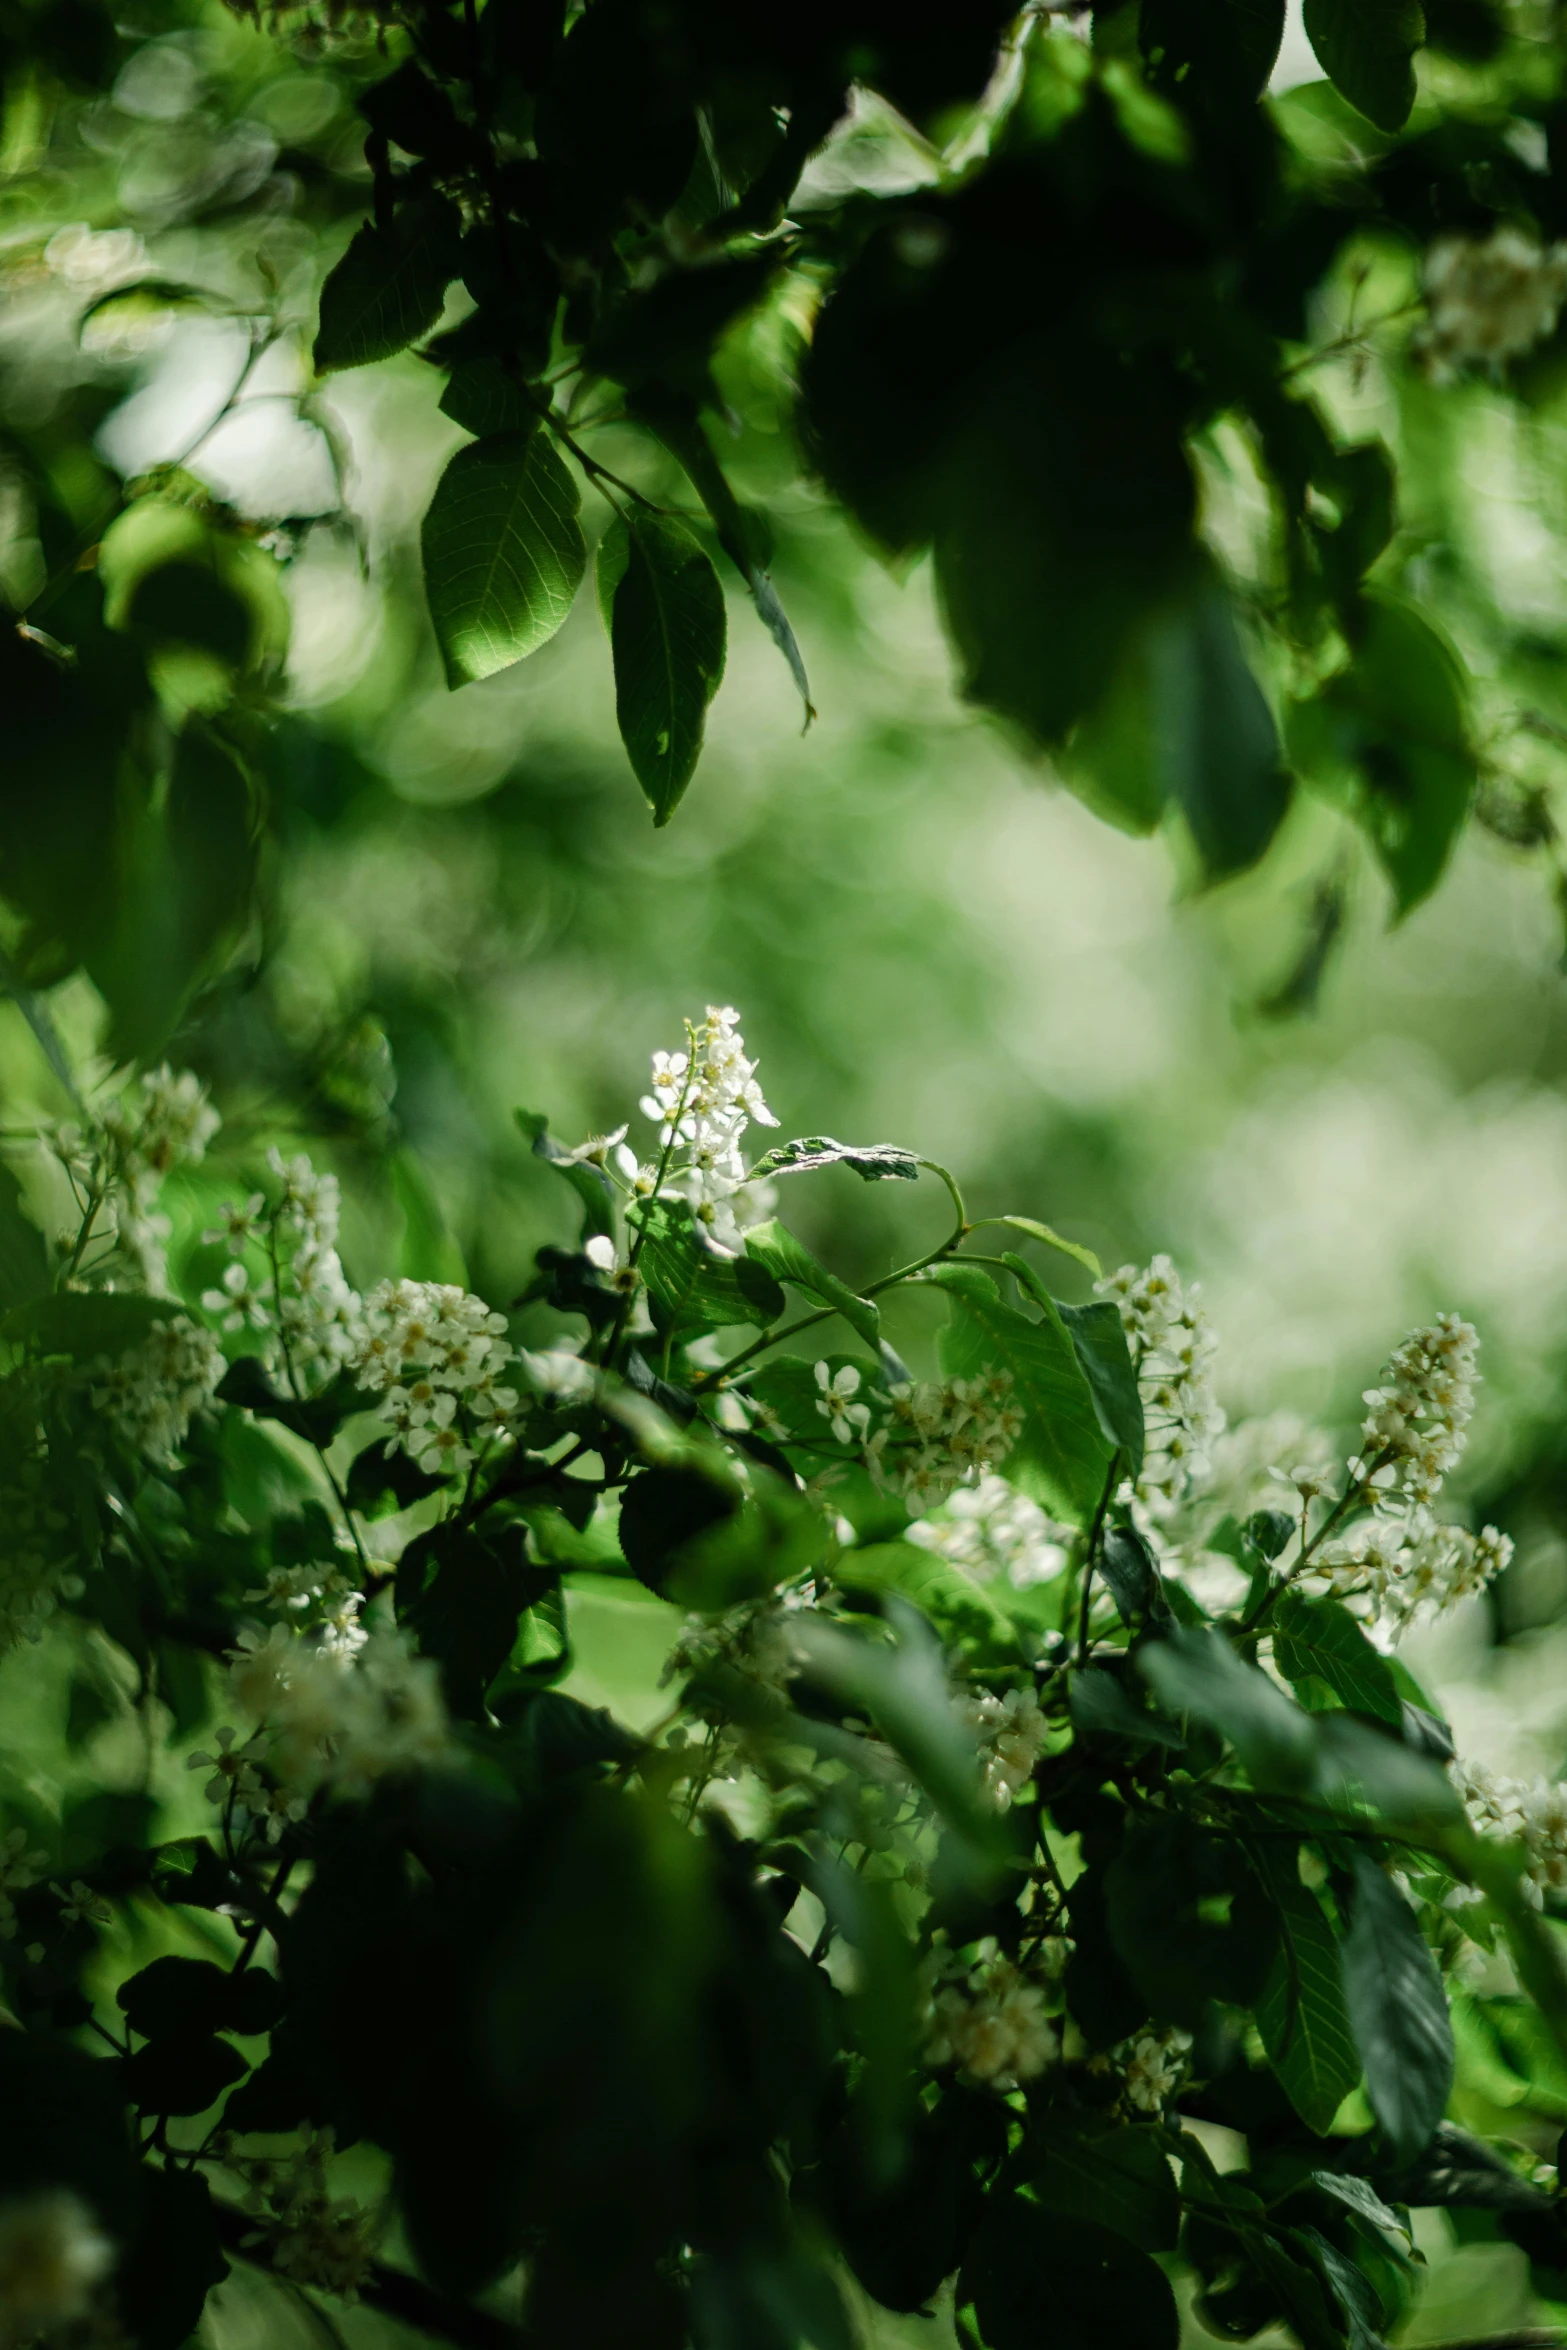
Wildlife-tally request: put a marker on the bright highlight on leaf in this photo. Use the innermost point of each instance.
(503, 553)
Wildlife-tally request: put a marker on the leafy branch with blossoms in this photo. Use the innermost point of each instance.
(1037, 1779)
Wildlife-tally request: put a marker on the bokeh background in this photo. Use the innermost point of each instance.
(931, 941)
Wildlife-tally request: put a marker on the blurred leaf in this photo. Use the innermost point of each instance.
(390, 286)
(162, 2281)
(1366, 48)
(503, 552)
(1390, 734)
(1062, 1451)
(1196, 1671)
(1100, 2292)
(180, 1998)
(482, 396)
(1227, 47)
(1100, 1707)
(788, 1259)
(1115, 2178)
(1320, 1637)
(959, 1607)
(182, 2076)
(86, 1323)
(24, 1262)
(1301, 2016)
(589, 1182)
(667, 633)
(1398, 2011)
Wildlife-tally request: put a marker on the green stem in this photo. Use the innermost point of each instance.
(1095, 1531)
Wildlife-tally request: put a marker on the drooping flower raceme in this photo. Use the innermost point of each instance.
(1010, 1733)
(339, 1716)
(1172, 1348)
(310, 2236)
(1532, 1814)
(934, 1437)
(703, 1100)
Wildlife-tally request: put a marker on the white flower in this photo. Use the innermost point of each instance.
(595, 1151)
(434, 1352)
(1421, 1408)
(241, 1303)
(1154, 2068)
(81, 1906)
(704, 1099)
(557, 1376)
(309, 2237)
(232, 1767)
(992, 2023)
(1171, 1345)
(237, 1223)
(1011, 1734)
(53, 2254)
(845, 1417)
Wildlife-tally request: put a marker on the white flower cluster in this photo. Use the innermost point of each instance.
(1171, 1346)
(1532, 1814)
(161, 1121)
(434, 1352)
(990, 1530)
(755, 1639)
(316, 1316)
(330, 1716)
(324, 1600)
(937, 1436)
(53, 2256)
(19, 1869)
(1010, 1733)
(310, 2237)
(1414, 1430)
(703, 1100)
(1412, 1566)
(1154, 2065)
(37, 1566)
(152, 1392)
(1489, 300)
(991, 2022)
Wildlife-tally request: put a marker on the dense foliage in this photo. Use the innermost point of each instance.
(1171, 383)
(1039, 1784)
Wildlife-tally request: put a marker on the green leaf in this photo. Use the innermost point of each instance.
(390, 286)
(181, 2076)
(667, 633)
(1035, 2278)
(1068, 1248)
(589, 1182)
(87, 1323)
(1186, 723)
(503, 553)
(1100, 1707)
(873, 1162)
(1301, 2015)
(957, 1605)
(788, 1259)
(176, 2256)
(1062, 1451)
(1359, 2196)
(1097, 1334)
(484, 398)
(1118, 2179)
(24, 1261)
(1224, 48)
(1320, 1638)
(689, 1286)
(1398, 2011)
(178, 1998)
(1359, 2304)
(1389, 736)
(1196, 1671)
(1366, 48)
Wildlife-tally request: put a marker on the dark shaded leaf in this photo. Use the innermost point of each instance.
(1301, 2014)
(161, 2285)
(1366, 48)
(1196, 1671)
(390, 286)
(667, 633)
(180, 2076)
(1117, 2178)
(1031, 2275)
(181, 1998)
(1398, 2010)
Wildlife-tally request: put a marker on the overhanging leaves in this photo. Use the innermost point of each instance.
(503, 553)
(1062, 1451)
(1398, 2011)
(390, 285)
(665, 611)
(1366, 48)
